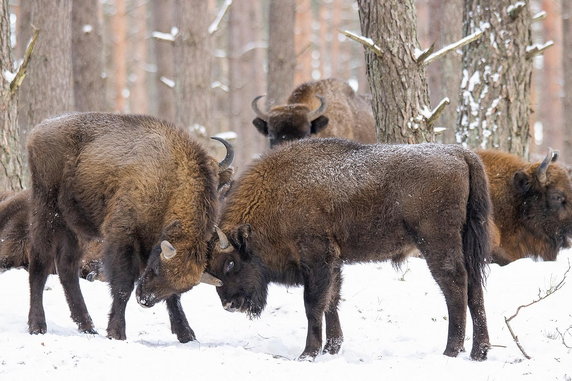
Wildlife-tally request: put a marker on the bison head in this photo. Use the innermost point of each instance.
(545, 192)
(289, 122)
(169, 272)
(244, 278)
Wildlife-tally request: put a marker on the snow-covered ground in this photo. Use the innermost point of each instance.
(394, 325)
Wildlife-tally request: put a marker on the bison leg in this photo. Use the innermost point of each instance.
(68, 270)
(448, 268)
(334, 334)
(317, 284)
(481, 343)
(42, 254)
(179, 324)
(122, 271)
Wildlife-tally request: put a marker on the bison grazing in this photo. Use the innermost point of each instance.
(532, 207)
(141, 185)
(15, 241)
(326, 108)
(301, 211)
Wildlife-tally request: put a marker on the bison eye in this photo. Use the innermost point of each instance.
(557, 200)
(228, 266)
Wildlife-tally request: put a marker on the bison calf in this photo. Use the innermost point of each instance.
(325, 108)
(303, 210)
(532, 206)
(142, 186)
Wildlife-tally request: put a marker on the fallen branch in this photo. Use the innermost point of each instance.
(563, 337)
(547, 293)
(462, 42)
(21, 73)
(365, 41)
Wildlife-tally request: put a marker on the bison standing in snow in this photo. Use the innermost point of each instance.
(301, 211)
(532, 206)
(325, 108)
(142, 186)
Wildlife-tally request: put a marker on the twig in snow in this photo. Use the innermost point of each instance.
(563, 336)
(21, 73)
(214, 27)
(365, 41)
(547, 293)
(536, 49)
(462, 42)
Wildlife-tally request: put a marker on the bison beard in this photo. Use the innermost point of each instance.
(303, 210)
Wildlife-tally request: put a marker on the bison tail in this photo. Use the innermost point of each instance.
(476, 233)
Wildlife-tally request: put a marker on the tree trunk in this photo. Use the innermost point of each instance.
(396, 81)
(281, 54)
(303, 42)
(11, 156)
(494, 104)
(119, 56)
(87, 55)
(137, 62)
(246, 77)
(193, 60)
(48, 88)
(567, 69)
(444, 79)
(163, 12)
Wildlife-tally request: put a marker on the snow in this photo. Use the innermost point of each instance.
(394, 324)
(87, 28)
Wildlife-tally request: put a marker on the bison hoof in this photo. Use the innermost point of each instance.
(452, 352)
(37, 329)
(479, 352)
(116, 335)
(308, 355)
(90, 331)
(333, 346)
(185, 337)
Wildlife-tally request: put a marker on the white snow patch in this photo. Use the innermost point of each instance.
(167, 81)
(87, 28)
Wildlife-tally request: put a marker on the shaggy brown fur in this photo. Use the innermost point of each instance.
(301, 211)
(531, 217)
(347, 114)
(15, 241)
(132, 181)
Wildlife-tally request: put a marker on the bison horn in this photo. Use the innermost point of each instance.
(543, 167)
(210, 279)
(257, 111)
(167, 250)
(319, 111)
(223, 243)
(227, 161)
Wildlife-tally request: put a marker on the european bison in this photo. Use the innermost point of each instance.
(144, 187)
(325, 108)
(301, 211)
(532, 207)
(15, 241)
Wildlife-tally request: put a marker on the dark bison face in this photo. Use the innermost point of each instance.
(167, 274)
(546, 199)
(245, 285)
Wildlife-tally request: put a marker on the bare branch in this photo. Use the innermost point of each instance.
(365, 41)
(214, 27)
(539, 16)
(21, 73)
(462, 42)
(437, 111)
(516, 9)
(536, 49)
(426, 53)
(541, 297)
(563, 336)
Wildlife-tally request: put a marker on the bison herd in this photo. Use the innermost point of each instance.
(139, 203)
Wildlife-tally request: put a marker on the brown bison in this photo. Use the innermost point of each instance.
(301, 211)
(326, 108)
(15, 241)
(532, 206)
(142, 186)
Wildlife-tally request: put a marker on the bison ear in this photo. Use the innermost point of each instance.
(521, 182)
(261, 126)
(241, 236)
(319, 124)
